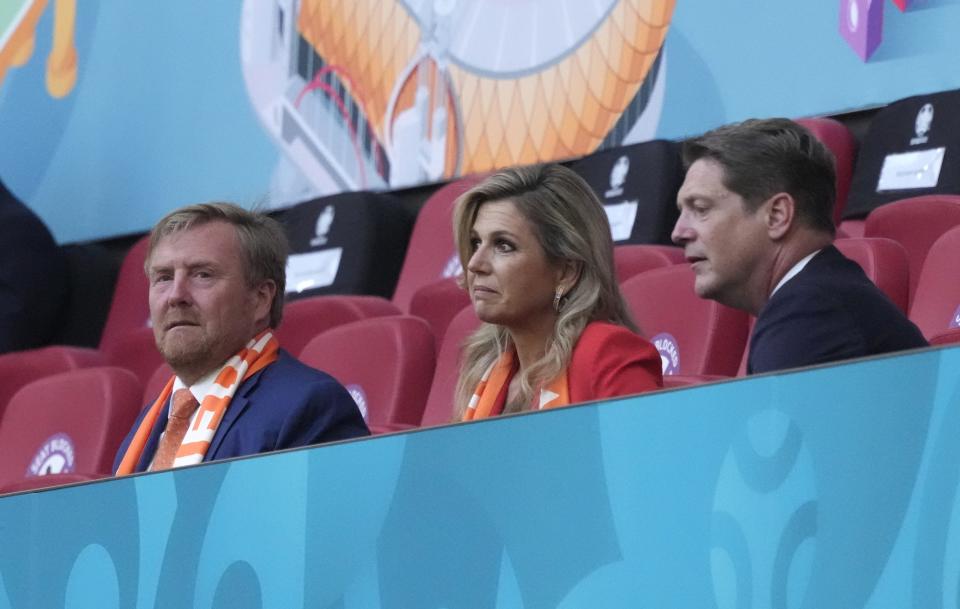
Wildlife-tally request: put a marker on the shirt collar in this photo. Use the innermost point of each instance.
(794, 270)
(199, 389)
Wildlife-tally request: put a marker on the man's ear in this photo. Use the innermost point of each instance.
(780, 210)
(264, 295)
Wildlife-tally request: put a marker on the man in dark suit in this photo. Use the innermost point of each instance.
(33, 277)
(756, 225)
(216, 275)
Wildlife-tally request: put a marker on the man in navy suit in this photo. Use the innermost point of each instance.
(216, 275)
(756, 224)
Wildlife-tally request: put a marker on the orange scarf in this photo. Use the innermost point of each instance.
(484, 402)
(260, 352)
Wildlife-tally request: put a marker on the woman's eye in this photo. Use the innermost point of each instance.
(504, 246)
(474, 244)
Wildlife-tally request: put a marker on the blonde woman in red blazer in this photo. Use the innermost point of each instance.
(537, 257)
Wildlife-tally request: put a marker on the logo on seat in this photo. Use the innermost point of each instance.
(452, 268)
(54, 457)
(356, 392)
(324, 221)
(666, 344)
(922, 124)
(955, 322)
(618, 176)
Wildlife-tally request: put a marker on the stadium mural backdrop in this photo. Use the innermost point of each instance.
(112, 113)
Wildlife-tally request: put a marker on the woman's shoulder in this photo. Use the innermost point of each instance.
(602, 333)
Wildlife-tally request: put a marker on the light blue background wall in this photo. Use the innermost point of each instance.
(160, 116)
(832, 487)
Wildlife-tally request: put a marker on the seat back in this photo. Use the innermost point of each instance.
(438, 303)
(637, 185)
(632, 260)
(841, 142)
(386, 363)
(439, 409)
(936, 303)
(912, 148)
(156, 383)
(130, 307)
(694, 336)
(69, 422)
(916, 224)
(308, 317)
(432, 254)
(884, 261)
(347, 243)
(19, 368)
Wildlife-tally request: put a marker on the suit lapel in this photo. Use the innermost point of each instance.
(238, 405)
(154, 440)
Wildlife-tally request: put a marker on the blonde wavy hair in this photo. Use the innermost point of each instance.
(571, 226)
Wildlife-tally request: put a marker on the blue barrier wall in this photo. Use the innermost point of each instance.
(831, 487)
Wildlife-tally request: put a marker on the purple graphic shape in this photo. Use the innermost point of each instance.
(861, 25)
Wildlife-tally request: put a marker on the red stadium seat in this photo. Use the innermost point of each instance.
(385, 362)
(156, 383)
(48, 481)
(438, 303)
(885, 262)
(843, 145)
(308, 317)
(674, 381)
(130, 308)
(22, 367)
(915, 223)
(693, 335)
(950, 337)
(431, 254)
(439, 408)
(936, 303)
(632, 260)
(69, 422)
(136, 351)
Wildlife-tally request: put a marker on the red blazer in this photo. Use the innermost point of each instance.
(611, 361)
(608, 361)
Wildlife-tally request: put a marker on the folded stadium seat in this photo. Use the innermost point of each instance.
(432, 255)
(637, 185)
(386, 363)
(915, 223)
(936, 303)
(632, 260)
(693, 335)
(950, 337)
(156, 383)
(347, 243)
(308, 317)
(68, 423)
(439, 408)
(438, 303)
(48, 481)
(843, 145)
(136, 351)
(909, 150)
(884, 261)
(19, 368)
(130, 307)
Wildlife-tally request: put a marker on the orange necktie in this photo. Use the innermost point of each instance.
(184, 405)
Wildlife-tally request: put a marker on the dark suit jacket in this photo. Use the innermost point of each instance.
(829, 311)
(33, 277)
(285, 405)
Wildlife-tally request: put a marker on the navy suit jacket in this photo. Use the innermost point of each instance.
(829, 311)
(285, 405)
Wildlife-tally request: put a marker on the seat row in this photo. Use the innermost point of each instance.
(402, 373)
